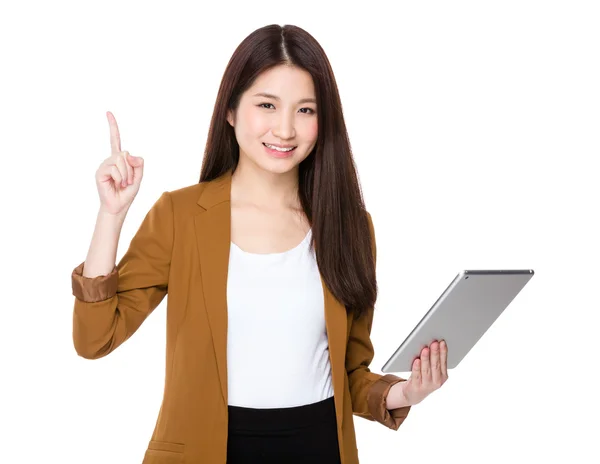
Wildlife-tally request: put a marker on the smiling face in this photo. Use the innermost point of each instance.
(286, 118)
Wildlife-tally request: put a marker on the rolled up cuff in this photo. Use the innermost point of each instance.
(377, 404)
(93, 289)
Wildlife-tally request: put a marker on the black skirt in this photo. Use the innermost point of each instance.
(302, 434)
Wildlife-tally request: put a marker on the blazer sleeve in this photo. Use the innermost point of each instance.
(368, 390)
(110, 308)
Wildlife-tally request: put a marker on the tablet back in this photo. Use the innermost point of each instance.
(461, 315)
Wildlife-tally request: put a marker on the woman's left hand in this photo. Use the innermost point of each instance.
(429, 372)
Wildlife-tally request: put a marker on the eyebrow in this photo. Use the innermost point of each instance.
(274, 97)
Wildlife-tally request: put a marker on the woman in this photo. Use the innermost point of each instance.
(269, 263)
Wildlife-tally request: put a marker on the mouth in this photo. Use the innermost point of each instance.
(279, 152)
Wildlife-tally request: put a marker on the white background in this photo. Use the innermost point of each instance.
(475, 131)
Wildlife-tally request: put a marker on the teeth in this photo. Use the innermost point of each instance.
(279, 149)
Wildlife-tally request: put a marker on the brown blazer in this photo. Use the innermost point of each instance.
(182, 247)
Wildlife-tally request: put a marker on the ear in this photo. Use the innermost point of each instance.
(230, 119)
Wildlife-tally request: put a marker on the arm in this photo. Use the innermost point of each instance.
(110, 308)
(368, 389)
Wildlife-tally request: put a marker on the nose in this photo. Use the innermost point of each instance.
(283, 127)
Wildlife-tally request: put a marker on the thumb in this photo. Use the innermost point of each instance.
(136, 160)
(137, 163)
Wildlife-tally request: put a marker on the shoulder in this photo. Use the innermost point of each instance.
(190, 194)
(187, 193)
(176, 200)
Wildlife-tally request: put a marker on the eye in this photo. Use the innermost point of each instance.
(311, 111)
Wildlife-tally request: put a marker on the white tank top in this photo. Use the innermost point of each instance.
(277, 347)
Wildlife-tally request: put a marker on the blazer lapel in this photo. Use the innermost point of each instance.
(213, 238)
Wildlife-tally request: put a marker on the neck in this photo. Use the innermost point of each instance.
(270, 190)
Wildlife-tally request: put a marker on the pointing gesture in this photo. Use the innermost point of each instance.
(119, 176)
(115, 136)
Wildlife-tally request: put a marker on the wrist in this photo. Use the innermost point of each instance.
(395, 398)
(116, 219)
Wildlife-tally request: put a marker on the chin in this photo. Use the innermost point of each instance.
(279, 167)
(276, 165)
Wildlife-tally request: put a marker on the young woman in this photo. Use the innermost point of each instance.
(269, 264)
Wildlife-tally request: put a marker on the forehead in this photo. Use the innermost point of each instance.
(286, 82)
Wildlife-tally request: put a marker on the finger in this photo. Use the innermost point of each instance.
(425, 366)
(127, 158)
(137, 164)
(115, 136)
(416, 372)
(436, 373)
(116, 176)
(444, 359)
(120, 163)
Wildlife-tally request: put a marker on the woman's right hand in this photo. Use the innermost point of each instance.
(119, 176)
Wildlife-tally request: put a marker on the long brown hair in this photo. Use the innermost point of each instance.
(329, 189)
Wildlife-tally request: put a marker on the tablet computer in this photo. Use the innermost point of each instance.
(461, 315)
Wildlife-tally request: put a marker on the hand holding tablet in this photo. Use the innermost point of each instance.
(460, 316)
(429, 373)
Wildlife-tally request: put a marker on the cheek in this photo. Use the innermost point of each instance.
(312, 130)
(255, 124)
(250, 125)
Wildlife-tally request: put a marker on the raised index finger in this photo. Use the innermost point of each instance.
(115, 137)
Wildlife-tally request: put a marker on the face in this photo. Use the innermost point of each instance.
(286, 120)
